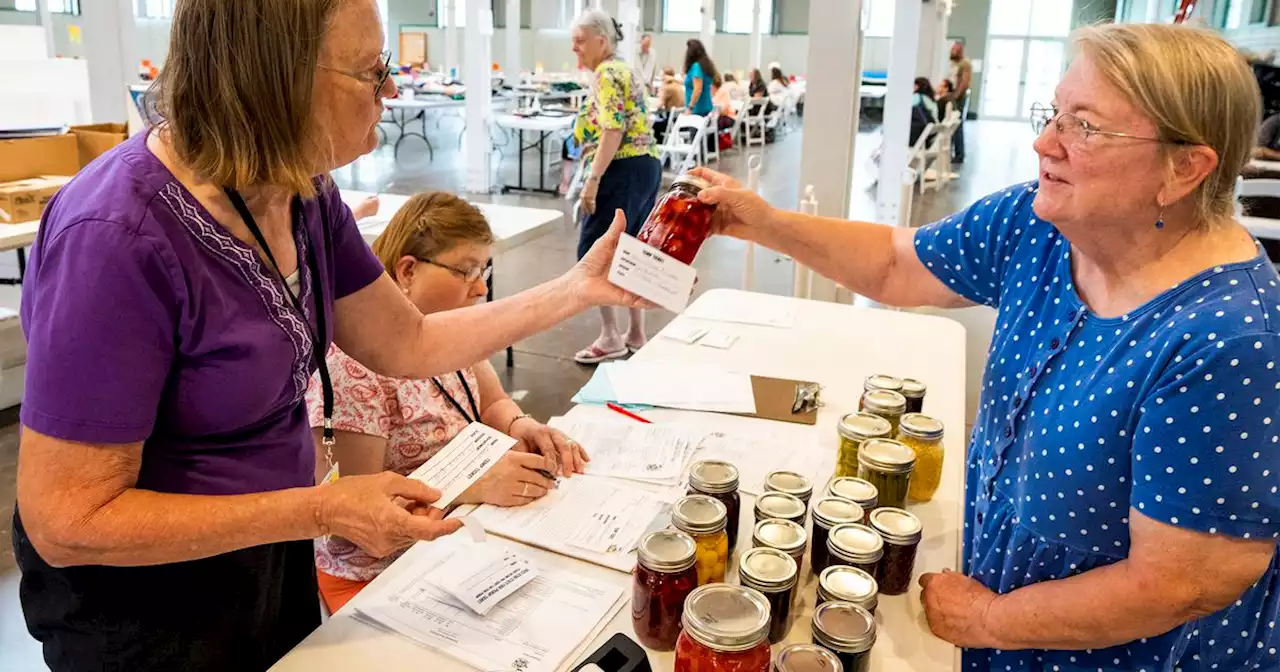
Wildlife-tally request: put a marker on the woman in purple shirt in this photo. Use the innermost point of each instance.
(178, 291)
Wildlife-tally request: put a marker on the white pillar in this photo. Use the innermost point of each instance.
(512, 65)
(629, 18)
(708, 32)
(1153, 11)
(479, 95)
(46, 22)
(897, 111)
(110, 50)
(931, 55)
(757, 36)
(831, 112)
(451, 35)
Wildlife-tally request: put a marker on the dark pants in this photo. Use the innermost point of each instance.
(237, 611)
(629, 185)
(957, 140)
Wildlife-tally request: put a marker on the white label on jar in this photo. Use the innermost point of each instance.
(652, 274)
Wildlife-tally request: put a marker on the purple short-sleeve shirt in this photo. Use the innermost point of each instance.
(148, 321)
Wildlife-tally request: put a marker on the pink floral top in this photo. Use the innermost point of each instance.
(412, 415)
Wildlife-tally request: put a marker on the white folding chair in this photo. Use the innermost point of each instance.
(712, 145)
(755, 122)
(685, 147)
(1255, 188)
(918, 158)
(739, 116)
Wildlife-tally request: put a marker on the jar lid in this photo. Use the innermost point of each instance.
(667, 551)
(887, 456)
(779, 505)
(783, 535)
(843, 583)
(857, 542)
(725, 617)
(836, 510)
(921, 426)
(896, 526)
(856, 489)
(806, 658)
(844, 627)
(884, 401)
(767, 569)
(880, 381)
(863, 426)
(713, 477)
(789, 482)
(913, 389)
(689, 180)
(699, 514)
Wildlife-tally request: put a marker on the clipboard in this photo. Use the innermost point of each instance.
(774, 398)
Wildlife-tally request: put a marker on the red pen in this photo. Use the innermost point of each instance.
(614, 407)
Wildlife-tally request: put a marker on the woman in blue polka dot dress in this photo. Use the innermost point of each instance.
(1121, 484)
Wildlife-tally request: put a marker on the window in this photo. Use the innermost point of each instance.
(1233, 16)
(155, 9)
(737, 16)
(1259, 12)
(55, 6)
(878, 18)
(459, 11)
(682, 16)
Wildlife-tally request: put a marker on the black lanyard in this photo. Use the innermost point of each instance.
(470, 399)
(317, 338)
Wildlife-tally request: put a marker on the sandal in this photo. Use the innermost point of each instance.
(595, 354)
(633, 349)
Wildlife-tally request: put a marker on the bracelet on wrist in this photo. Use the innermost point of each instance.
(518, 418)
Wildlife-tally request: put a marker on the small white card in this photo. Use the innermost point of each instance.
(463, 461)
(719, 339)
(651, 274)
(480, 576)
(683, 333)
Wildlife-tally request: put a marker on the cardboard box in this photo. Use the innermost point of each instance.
(94, 140)
(25, 158)
(25, 200)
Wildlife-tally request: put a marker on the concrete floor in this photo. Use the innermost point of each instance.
(999, 154)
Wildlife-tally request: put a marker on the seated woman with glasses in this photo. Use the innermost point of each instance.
(1121, 477)
(437, 249)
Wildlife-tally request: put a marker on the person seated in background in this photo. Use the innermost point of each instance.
(670, 97)
(924, 110)
(942, 96)
(733, 86)
(437, 250)
(779, 87)
(1268, 143)
(756, 87)
(722, 98)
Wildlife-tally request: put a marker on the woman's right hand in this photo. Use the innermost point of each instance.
(373, 512)
(738, 210)
(513, 481)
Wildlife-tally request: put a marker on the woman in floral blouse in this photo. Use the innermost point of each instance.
(620, 158)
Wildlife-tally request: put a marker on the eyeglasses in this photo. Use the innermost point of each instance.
(1075, 129)
(377, 79)
(470, 275)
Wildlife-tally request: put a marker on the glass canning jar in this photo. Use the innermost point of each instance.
(725, 629)
(704, 519)
(717, 479)
(680, 223)
(887, 465)
(663, 579)
(854, 429)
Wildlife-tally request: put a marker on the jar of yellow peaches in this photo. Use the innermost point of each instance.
(704, 518)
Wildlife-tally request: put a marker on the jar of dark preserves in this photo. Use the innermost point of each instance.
(806, 658)
(841, 583)
(855, 545)
(719, 480)
(783, 535)
(725, 629)
(914, 391)
(862, 492)
(880, 381)
(663, 578)
(827, 513)
(790, 483)
(847, 630)
(680, 223)
(779, 505)
(775, 575)
(901, 532)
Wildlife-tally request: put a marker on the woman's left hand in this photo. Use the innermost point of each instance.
(536, 437)
(590, 188)
(956, 608)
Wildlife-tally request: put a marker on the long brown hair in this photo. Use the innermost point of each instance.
(695, 52)
(428, 225)
(236, 90)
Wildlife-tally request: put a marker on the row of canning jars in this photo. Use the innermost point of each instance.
(891, 443)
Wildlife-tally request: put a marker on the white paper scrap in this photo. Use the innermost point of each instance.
(481, 576)
(463, 461)
(651, 274)
(719, 340)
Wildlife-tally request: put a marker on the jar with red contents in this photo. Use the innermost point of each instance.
(726, 629)
(663, 579)
(680, 223)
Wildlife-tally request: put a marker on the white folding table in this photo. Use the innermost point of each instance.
(545, 125)
(835, 345)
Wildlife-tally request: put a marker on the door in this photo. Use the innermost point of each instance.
(1025, 57)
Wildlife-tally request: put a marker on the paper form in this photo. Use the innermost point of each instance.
(533, 630)
(743, 309)
(593, 519)
(463, 461)
(631, 450)
(756, 458)
(482, 575)
(682, 386)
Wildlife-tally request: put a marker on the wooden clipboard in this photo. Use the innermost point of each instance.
(774, 399)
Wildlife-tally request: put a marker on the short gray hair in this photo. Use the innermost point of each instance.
(600, 23)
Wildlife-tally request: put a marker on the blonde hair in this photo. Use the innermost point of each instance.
(236, 90)
(1194, 86)
(429, 225)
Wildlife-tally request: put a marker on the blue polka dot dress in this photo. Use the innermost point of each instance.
(1172, 409)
